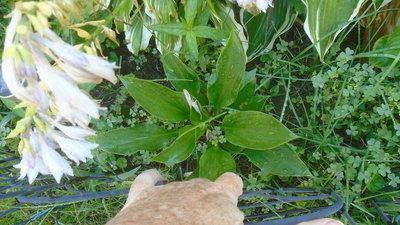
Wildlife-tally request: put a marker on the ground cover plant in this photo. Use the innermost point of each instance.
(285, 93)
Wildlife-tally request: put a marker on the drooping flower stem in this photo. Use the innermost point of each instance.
(57, 111)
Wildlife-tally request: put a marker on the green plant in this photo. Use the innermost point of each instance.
(204, 106)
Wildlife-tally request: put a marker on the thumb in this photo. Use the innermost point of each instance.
(324, 221)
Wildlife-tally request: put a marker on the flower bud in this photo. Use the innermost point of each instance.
(45, 8)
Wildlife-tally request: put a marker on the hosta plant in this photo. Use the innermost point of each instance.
(224, 114)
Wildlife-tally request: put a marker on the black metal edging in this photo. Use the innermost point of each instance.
(320, 212)
(389, 221)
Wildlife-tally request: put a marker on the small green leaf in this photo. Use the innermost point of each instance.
(203, 16)
(231, 147)
(255, 130)
(191, 45)
(123, 10)
(247, 100)
(180, 75)
(231, 66)
(169, 28)
(281, 161)
(381, 3)
(129, 174)
(388, 45)
(158, 100)
(182, 147)
(255, 103)
(126, 141)
(11, 104)
(122, 163)
(195, 117)
(191, 11)
(194, 174)
(87, 87)
(209, 32)
(214, 162)
(376, 183)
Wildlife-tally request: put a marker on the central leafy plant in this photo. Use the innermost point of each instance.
(200, 106)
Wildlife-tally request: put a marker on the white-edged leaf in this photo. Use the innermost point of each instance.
(326, 19)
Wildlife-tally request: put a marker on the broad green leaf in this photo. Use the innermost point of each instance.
(158, 100)
(191, 45)
(181, 148)
(326, 19)
(209, 32)
(180, 75)
(263, 29)
(231, 66)
(126, 141)
(169, 28)
(214, 162)
(386, 46)
(255, 130)
(281, 161)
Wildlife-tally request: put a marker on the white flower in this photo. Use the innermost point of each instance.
(72, 103)
(12, 27)
(53, 161)
(73, 132)
(263, 5)
(81, 67)
(255, 5)
(244, 3)
(191, 102)
(76, 150)
(26, 166)
(45, 160)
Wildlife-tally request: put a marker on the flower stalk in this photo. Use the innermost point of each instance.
(43, 72)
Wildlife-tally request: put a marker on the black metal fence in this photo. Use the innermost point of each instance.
(257, 205)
